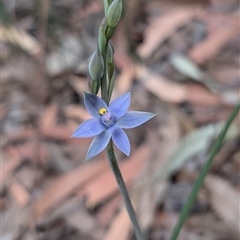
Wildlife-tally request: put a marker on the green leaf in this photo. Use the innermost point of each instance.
(189, 69)
(194, 143)
(186, 67)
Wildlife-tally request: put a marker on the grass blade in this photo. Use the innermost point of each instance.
(197, 185)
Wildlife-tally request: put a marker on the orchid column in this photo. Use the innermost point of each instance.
(109, 120)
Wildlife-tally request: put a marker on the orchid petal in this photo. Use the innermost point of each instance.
(134, 119)
(93, 103)
(119, 106)
(89, 128)
(98, 144)
(120, 139)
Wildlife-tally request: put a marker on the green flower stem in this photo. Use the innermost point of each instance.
(213, 152)
(121, 184)
(104, 83)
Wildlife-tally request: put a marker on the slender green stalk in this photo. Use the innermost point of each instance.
(104, 85)
(197, 185)
(121, 184)
(113, 11)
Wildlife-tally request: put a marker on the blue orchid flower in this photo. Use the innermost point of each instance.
(107, 123)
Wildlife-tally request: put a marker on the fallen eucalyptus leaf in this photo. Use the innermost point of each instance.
(194, 143)
(189, 69)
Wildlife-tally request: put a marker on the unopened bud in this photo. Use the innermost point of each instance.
(102, 41)
(114, 13)
(96, 65)
(107, 3)
(110, 53)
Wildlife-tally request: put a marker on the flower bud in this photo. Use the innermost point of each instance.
(114, 13)
(110, 70)
(107, 3)
(102, 41)
(110, 53)
(96, 65)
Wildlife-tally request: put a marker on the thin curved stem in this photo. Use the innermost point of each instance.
(213, 152)
(122, 187)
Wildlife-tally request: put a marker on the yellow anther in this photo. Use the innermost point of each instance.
(102, 111)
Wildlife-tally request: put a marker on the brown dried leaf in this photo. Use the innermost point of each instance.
(79, 84)
(85, 222)
(160, 86)
(120, 228)
(105, 185)
(3, 204)
(19, 193)
(16, 221)
(147, 190)
(107, 211)
(57, 132)
(168, 220)
(22, 135)
(225, 200)
(33, 150)
(49, 117)
(161, 27)
(77, 112)
(198, 95)
(66, 184)
(208, 221)
(13, 160)
(121, 46)
(20, 38)
(172, 92)
(124, 81)
(4, 110)
(217, 38)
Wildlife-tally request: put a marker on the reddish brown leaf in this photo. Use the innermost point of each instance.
(161, 27)
(124, 81)
(19, 193)
(49, 117)
(199, 95)
(79, 84)
(225, 200)
(66, 184)
(57, 132)
(160, 86)
(76, 112)
(216, 39)
(22, 135)
(120, 228)
(33, 151)
(105, 184)
(108, 210)
(174, 92)
(13, 160)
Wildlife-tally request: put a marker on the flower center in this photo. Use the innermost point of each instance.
(102, 111)
(106, 117)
